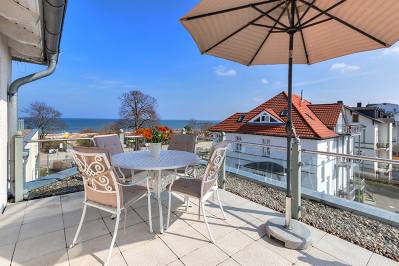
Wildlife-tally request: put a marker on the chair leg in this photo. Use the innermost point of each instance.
(118, 216)
(169, 208)
(149, 211)
(160, 214)
(187, 199)
(79, 227)
(124, 222)
(206, 223)
(199, 209)
(220, 203)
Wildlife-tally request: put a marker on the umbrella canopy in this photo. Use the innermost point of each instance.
(260, 32)
(253, 32)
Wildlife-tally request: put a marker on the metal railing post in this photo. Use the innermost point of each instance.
(19, 168)
(224, 165)
(122, 138)
(296, 180)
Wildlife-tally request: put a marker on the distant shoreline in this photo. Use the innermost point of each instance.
(75, 125)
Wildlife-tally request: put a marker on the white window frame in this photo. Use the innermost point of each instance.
(238, 146)
(265, 117)
(266, 148)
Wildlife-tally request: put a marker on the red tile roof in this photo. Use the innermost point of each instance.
(327, 113)
(306, 122)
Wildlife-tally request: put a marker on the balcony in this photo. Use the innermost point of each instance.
(353, 130)
(382, 146)
(240, 240)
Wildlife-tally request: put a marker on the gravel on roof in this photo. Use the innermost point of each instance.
(373, 235)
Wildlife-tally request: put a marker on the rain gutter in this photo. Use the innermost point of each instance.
(53, 21)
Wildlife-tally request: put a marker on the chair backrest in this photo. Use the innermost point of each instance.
(182, 142)
(98, 176)
(109, 142)
(215, 162)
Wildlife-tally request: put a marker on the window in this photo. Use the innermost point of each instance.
(238, 146)
(284, 113)
(266, 147)
(241, 118)
(364, 135)
(264, 117)
(355, 118)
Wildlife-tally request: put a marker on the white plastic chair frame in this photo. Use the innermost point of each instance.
(209, 184)
(99, 176)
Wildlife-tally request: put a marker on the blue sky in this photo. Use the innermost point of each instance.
(108, 49)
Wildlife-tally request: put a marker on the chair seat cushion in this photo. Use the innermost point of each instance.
(132, 193)
(191, 187)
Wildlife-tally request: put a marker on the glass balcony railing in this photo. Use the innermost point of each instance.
(343, 179)
(340, 178)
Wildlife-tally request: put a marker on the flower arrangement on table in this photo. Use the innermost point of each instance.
(157, 134)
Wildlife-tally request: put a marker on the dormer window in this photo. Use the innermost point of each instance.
(264, 118)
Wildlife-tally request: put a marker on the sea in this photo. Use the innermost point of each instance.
(74, 125)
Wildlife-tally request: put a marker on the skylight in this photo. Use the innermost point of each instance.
(284, 113)
(241, 118)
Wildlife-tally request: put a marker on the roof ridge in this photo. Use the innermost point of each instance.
(294, 104)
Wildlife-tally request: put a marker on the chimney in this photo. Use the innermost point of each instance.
(359, 104)
(300, 104)
(340, 102)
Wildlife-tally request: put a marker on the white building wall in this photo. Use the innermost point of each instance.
(5, 78)
(319, 172)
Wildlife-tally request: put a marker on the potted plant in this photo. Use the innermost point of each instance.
(155, 136)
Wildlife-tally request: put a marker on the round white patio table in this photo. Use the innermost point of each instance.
(168, 160)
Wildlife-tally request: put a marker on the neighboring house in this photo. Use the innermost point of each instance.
(321, 127)
(376, 138)
(391, 110)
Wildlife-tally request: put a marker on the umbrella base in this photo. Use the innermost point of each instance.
(297, 237)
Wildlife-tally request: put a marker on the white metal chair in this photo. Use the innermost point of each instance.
(110, 142)
(113, 145)
(184, 142)
(203, 188)
(103, 191)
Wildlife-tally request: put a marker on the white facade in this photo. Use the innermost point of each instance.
(375, 140)
(319, 172)
(5, 78)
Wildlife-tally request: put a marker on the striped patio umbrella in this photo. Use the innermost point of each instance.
(260, 32)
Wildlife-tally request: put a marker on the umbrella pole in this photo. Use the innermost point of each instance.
(289, 126)
(294, 234)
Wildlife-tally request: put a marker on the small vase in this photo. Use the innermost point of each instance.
(155, 149)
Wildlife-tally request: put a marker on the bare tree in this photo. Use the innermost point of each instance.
(138, 110)
(44, 117)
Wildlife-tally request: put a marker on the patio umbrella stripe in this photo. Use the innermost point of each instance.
(304, 13)
(324, 12)
(320, 13)
(229, 10)
(302, 37)
(243, 27)
(267, 37)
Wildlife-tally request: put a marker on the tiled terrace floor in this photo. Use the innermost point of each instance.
(39, 232)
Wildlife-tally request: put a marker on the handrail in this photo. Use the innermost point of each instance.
(59, 139)
(342, 155)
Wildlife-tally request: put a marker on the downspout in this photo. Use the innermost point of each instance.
(13, 111)
(53, 20)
